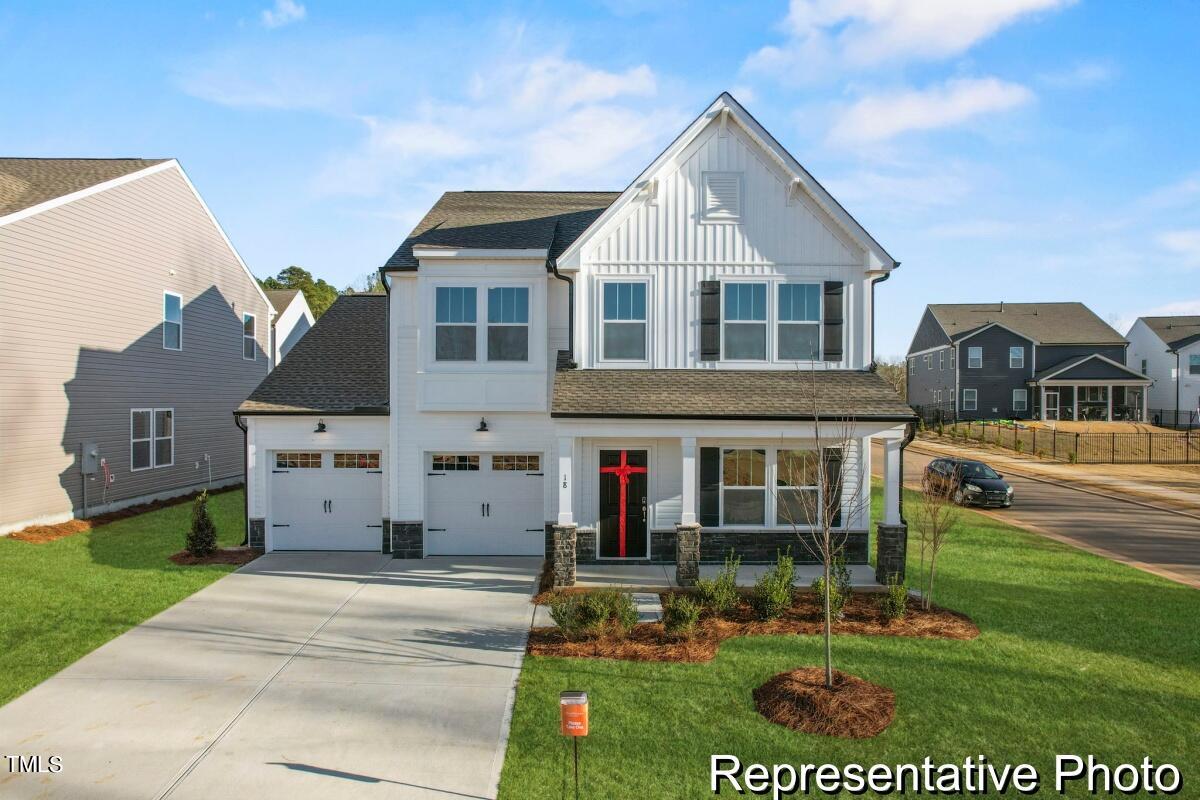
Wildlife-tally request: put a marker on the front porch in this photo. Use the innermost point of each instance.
(661, 577)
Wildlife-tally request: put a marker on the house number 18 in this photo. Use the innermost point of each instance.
(564, 480)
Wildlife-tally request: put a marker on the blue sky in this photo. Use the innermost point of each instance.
(1001, 149)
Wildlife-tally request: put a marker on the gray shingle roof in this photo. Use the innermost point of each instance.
(338, 367)
(25, 182)
(1047, 323)
(281, 298)
(1175, 331)
(725, 394)
(503, 220)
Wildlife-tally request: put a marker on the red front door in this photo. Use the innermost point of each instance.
(623, 500)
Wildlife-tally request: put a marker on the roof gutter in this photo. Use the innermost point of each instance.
(552, 266)
(910, 433)
(880, 279)
(237, 420)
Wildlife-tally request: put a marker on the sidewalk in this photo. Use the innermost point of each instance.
(1173, 486)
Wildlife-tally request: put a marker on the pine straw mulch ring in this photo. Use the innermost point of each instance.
(852, 709)
(225, 555)
(650, 642)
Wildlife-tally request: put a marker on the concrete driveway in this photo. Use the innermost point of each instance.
(321, 675)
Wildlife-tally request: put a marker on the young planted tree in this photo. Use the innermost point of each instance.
(202, 536)
(818, 491)
(936, 517)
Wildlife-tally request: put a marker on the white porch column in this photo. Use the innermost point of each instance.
(566, 477)
(891, 481)
(1075, 400)
(1042, 404)
(688, 447)
(1109, 417)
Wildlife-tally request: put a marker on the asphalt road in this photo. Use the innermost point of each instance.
(1158, 541)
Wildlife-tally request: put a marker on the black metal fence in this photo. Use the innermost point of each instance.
(1175, 447)
(1170, 418)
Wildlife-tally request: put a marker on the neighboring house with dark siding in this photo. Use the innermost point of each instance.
(1021, 361)
(131, 330)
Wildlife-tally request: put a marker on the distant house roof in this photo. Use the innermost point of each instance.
(1045, 323)
(1175, 331)
(1091, 367)
(26, 182)
(503, 220)
(281, 298)
(725, 394)
(338, 367)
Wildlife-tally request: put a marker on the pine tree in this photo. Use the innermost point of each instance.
(202, 537)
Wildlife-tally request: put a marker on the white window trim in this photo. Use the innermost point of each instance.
(929, 361)
(428, 315)
(970, 399)
(480, 306)
(912, 366)
(253, 338)
(971, 358)
(1023, 394)
(941, 359)
(768, 457)
(1020, 365)
(598, 333)
(165, 322)
(702, 202)
(777, 323)
(152, 439)
(771, 519)
(487, 325)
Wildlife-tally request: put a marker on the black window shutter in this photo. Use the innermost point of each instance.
(710, 486)
(834, 291)
(710, 320)
(832, 458)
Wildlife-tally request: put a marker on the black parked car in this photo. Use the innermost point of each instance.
(968, 483)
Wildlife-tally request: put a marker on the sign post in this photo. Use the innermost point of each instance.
(573, 722)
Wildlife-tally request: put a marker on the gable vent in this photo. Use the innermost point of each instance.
(722, 196)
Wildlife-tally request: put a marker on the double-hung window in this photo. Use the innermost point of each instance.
(799, 322)
(929, 361)
(1020, 400)
(951, 358)
(1016, 358)
(454, 323)
(151, 438)
(797, 488)
(172, 321)
(974, 358)
(743, 486)
(508, 323)
(249, 345)
(970, 399)
(745, 329)
(941, 359)
(624, 321)
(1194, 364)
(912, 366)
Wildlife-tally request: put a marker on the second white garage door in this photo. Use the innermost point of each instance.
(326, 500)
(484, 504)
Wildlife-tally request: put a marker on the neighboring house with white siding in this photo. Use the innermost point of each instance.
(608, 371)
(1167, 350)
(130, 329)
(293, 318)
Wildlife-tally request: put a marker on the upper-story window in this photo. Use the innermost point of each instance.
(1145, 367)
(249, 345)
(912, 366)
(624, 334)
(941, 359)
(722, 196)
(745, 328)
(1194, 364)
(929, 361)
(172, 321)
(952, 351)
(508, 323)
(1016, 358)
(454, 323)
(974, 358)
(799, 322)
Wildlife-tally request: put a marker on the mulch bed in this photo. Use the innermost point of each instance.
(40, 534)
(650, 642)
(852, 709)
(228, 555)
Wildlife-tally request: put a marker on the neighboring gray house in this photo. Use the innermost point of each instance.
(131, 331)
(1021, 361)
(293, 318)
(1167, 350)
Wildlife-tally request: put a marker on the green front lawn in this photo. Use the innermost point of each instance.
(1078, 655)
(63, 599)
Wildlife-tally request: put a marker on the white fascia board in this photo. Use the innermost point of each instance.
(55, 202)
(996, 325)
(477, 253)
(930, 350)
(724, 108)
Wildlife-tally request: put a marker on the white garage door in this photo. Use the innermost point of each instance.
(484, 504)
(326, 500)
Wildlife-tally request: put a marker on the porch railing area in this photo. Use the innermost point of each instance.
(1178, 447)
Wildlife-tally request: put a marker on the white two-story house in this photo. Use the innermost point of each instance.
(608, 368)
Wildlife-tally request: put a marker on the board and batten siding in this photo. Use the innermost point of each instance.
(82, 307)
(667, 241)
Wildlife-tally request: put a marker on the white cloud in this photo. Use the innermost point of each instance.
(879, 117)
(825, 36)
(1183, 244)
(1082, 75)
(284, 12)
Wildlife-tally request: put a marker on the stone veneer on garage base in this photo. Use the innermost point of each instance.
(408, 539)
(256, 534)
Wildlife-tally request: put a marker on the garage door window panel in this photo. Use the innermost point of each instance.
(297, 460)
(356, 460)
(516, 463)
(455, 463)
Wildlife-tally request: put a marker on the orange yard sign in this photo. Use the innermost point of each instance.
(573, 708)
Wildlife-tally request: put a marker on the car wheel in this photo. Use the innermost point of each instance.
(959, 497)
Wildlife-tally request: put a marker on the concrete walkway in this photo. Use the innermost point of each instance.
(322, 675)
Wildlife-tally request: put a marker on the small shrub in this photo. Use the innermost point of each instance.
(202, 536)
(1019, 446)
(564, 610)
(604, 610)
(773, 592)
(893, 603)
(680, 614)
(719, 594)
(941, 429)
(1073, 457)
(839, 592)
